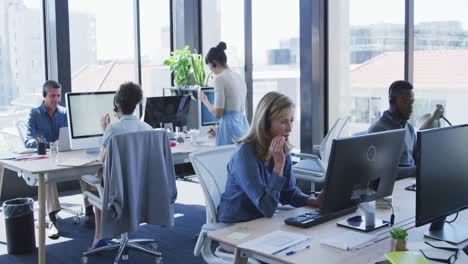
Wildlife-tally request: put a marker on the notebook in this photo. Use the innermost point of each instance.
(349, 240)
(275, 242)
(406, 257)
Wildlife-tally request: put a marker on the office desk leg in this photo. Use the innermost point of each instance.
(238, 259)
(41, 190)
(1, 181)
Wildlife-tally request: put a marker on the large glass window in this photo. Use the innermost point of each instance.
(275, 44)
(441, 58)
(102, 44)
(366, 54)
(218, 18)
(22, 70)
(155, 45)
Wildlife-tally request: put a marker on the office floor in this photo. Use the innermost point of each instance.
(176, 243)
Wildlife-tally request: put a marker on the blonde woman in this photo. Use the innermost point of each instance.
(259, 172)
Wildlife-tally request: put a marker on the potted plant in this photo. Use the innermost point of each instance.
(399, 236)
(180, 64)
(198, 67)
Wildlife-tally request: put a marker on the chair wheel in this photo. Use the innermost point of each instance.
(155, 246)
(158, 260)
(84, 259)
(76, 220)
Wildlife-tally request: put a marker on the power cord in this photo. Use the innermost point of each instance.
(392, 217)
(451, 221)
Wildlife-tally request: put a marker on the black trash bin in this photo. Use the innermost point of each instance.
(19, 224)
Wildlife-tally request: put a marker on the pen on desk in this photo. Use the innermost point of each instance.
(292, 252)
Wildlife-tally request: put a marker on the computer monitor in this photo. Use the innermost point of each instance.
(442, 180)
(206, 120)
(361, 169)
(174, 110)
(85, 110)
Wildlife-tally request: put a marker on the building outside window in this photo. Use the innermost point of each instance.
(102, 44)
(22, 68)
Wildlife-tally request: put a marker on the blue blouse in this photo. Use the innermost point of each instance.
(253, 190)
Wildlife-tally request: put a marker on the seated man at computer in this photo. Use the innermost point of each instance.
(44, 122)
(128, 96)
(401, 99)
(259, 172)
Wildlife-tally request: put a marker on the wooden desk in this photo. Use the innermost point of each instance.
(39, 172)
(181, 152)
(36, 172)
(404, 206)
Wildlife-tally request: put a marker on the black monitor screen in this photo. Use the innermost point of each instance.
(361, 169)
(167, 109)
(442, 173)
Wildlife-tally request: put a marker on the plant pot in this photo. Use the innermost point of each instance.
(398, 244)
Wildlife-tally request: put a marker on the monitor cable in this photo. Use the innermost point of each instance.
(392, 217)
(453, 220)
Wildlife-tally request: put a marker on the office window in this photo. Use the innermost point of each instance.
(22, 70)
(102, 44)
(366, 54)
(224, 21)
(155, 45)
(441, 58)
(275, 44)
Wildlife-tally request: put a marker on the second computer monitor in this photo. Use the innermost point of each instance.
(442, 180)
(361, 169)
(167, 109)
(206, 118)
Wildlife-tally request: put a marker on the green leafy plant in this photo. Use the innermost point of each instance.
(198, 67)
(398, 233)
(180, 64)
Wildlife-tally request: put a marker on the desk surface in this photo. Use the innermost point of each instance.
(48, 164)
(404, 205)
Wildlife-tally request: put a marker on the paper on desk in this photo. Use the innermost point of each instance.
(76, 162)
(349, 240)
(238, 235)
(275, 242)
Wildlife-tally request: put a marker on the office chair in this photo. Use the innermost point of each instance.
(138, 168)
(313, 167)
(211, 169)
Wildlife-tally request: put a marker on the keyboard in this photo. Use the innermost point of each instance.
(314, 217)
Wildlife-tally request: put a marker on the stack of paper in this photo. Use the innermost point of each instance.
(349, 240)
(274, 243)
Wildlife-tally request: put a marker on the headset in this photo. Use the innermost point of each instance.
(115, 103)
(48, 84)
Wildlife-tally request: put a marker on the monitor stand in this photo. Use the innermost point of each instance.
(366, 222)
(451, 233)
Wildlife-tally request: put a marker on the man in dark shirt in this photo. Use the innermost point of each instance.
(401, 99)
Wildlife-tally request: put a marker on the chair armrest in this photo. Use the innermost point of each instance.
(91, 179)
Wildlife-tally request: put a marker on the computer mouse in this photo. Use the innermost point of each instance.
(355, 219)
(465, 249)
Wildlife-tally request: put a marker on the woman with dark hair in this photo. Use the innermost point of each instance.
(229, 97)
(128, 96)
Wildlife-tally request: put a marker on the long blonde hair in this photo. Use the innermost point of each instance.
(269, 108)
